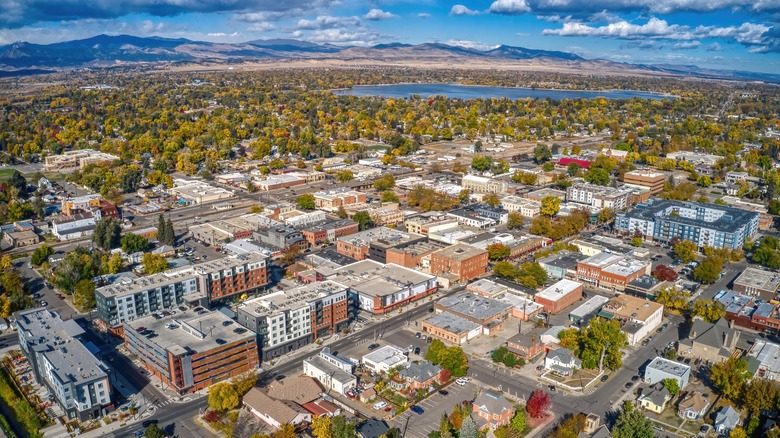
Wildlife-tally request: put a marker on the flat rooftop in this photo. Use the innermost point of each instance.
(452, 323)
(332, 370)
(602, 260)
(590, 306)
(460, 252)
(290, 299)
(730, 219)
(767, 354)
(527, 306)
(487, 287)
(196, 332)
(564, 259)
(629, 307)
(380, 235)
(669, 366)
(389, 355)
(473, 305)
(372, 278)
(559, 290)
(759, 279)
(626, 267)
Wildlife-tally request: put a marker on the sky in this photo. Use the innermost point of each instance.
(719, 34)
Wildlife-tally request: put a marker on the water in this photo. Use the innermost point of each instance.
(476, 91)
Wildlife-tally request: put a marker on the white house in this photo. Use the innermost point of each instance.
(75, 226)
(562, 361)
(275, 412)
(331, 371)
(726, 420)
(382, 359)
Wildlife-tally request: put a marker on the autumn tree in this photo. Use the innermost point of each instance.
(41, 255)
(492, 200)
(363, 220)
(729, 376)
(223, 397)
(709, 269)
(320, 427)
(498, 251)
(760, 394)
(386, 182)
(505, 270)
(538, 404)
(708, 310)
(664, 273)
(84, 295)
(515, 220)
(672, 386)
(344, 175)
(602, 343)
(550, 205)
(542, 153)
(154, 263)
(305, 202)
(481, 163)
(685, 250)
(390, 196)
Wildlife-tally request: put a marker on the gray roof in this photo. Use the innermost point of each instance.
(732, 220)
(452, 323)
(727, 417)
(563, 259)
(473, 305)
(657, 395)
(492, 402)
(590, 306)
(717, 335)
(335, 372)
(564, 355)
(668, 366)
(420, 371)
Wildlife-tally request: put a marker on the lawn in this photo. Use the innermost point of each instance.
(5, 174)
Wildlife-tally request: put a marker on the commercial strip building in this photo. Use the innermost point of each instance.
(460, 260)
(704, 224)
(287, 320)
(76, 379)
(76, 226)
(451, 328)
(611, 271)
(480, 215)
(638, 317)
(480, 184)
(524, 206)
(78, 159)
(329, 229)
(384, 358)
(758, 283)
(275, 182)
(198, 192)
(489, 313)
(191, 350)
(583, 313)
(651, 179)
(374, 243)
(210, 281)
(559, 296)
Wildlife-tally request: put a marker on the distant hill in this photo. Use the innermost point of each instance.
(22, 58)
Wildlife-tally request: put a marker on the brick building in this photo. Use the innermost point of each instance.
(646, 178)
(611, 271)
(330, 229)
(559, 296)
(374, 243)
(462, 260)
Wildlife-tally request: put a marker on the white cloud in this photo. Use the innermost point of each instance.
(263, 16)
(327, 22)
(472, 44)
(509, 7)
(262, 26)
(462, 10)
(604, 17)
(714, 47)
(688, 45)
(354, 37)
(652, 6)
(424, 15)
(378, 14)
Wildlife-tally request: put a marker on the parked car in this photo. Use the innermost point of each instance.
(417, 335)
(417, 350)
(44, 303)
(552, 388)
(417, 410)
(373, 346)
(380, 405)
(629, 384)
(444, 392)
(462, 381)
(604, 378)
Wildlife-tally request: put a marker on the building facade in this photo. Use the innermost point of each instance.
(646, 178)
(462, 260)
(480, 184)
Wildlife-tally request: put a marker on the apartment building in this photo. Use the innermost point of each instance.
(78, 159)
(333, 199)
(215, 280)
(191, 350)
(651, 179)
(288, 320)
(329, 230)
(73, 375)
(480, 184)
(461, 260)
(374, 243)
(524, 206)
(704, 224)
(298, 219)
(599, 197)
(611, 271)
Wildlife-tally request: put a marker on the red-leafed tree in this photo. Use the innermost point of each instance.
(211, 416)
(538, 404)
(664, 273)
(445, 376)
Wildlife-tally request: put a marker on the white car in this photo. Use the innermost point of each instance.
(462, 381)
(380, 405)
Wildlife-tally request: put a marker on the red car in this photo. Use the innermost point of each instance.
(350, 394)
(62, 297)
(388, 409)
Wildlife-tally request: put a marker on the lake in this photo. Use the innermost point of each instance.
(477, 91)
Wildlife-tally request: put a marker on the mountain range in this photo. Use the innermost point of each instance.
(111, 50)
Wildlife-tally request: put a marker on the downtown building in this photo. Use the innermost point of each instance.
(76, 379)
(208, 282)
(287, 320)
(704, 224)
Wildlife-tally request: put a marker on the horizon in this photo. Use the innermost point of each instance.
(727, 35)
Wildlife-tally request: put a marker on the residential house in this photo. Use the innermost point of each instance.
(562, 361)
(693, 406)
(372, 428)
(333, 372)
(527, 345)
(709, 342)
(655, 398)
(726, 420)
(493, 408)
(420, 375)
(273, 412)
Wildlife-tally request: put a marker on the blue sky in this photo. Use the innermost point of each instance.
(721, 34)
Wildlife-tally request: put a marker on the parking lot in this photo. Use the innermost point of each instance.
(412, 424)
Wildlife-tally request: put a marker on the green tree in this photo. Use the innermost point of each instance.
(435, 352)
(632, 423)
(305, 202)
(498, 251)
(363, 220)
(499, 354)
(518, 422)
(276, 164)
(597, 176)
(256, 209)
(760, 394)
(492, 200)
(673, 298)
(531, 270)
(114, 263)
(154, 263)
(223, 397)
(134, 243)
(542, 153)
(606, 215)
(342, 428)
(602, 343)
(705, 181)
(389, 196)
(321, 427)
(481, 163)
(505, 270)
(344, 175)
(708, 310)
(84, 295)
(455, 361)
(729, 376)
(41, 255)
(170, 233)
(637, 241)
(341, 213)
(672, 386)
(709, 269)
(573, 169)
(154, 431)
(515, 220)
(161, 228)
(106, 234)
(469, 428)
(250, 187)
(685, 250)
(550, 205)
(384, 183)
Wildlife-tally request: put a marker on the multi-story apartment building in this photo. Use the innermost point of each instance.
(192, 349)
(651, 179)
(480, 184)
(462, 260)
(526, 207)
(78, 159)
(215, 280)
(333, 199)
(74, 376)
(79, 204)
(287, 320)
(328, 230)
(374, 243)
(599, 196)
(712, 225)
(430, 222)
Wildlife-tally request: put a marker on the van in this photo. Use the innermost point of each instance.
(380, 405)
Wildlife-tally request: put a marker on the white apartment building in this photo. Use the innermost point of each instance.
(599, 197)
(331, 371)
(524, 206)
(480, 184)
(74, 376)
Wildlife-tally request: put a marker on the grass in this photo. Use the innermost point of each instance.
(21, 411)
(5, 174)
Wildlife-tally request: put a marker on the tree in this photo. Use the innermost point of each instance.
(602, 344)
(250, 186)
(223, 397)
(320, 427)
(256, 209)
(276, 164)
(573, 169)
(390, 196)
(705, 181)
(435, 351)
(341, 428)
(305, 202)
(514, 220)
(170, 233)
(538, 403)
(363, 220)
(114, 263)
(738, 432)
(154, 263)
(760, 394)
(106, 234)
(134, 243)
(685, 250)
(729, 376)
(632, 423)
(41, 255)
(344, 175)
(606, 215)
(384, 183)
(518, 422)
(492, 200)
(499, 354)
(709, 269)
(673, 298)
(550, 205)
(287, 430)
(154, 431)
(505, 270)
(542, 153)
(289, 254)
(672, 386)
(498, 251)
(637, 241)
(531, 274)
(597, 176)
(708, 310)
(243, 383)
(84, 295)
(664, 273)
(161, 229)
(469, 428)
(481, 163)
(341, 213)
(455, 361)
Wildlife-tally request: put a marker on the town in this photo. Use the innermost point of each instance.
(577, 284)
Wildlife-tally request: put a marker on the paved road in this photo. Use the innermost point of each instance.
(36, 284)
